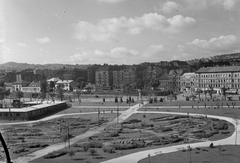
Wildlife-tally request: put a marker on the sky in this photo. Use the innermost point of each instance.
(117, 31)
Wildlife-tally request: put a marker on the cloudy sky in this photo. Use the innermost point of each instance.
(117, 31)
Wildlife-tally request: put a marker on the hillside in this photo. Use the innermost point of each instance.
(21, 66)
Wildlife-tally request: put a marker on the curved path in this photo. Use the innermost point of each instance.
(91, 132)
(135, 157)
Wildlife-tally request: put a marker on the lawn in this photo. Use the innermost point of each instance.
(222, 154)
(146, 130)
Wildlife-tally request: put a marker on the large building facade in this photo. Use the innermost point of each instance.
(104, 76)
(188, 82)
(218, 78)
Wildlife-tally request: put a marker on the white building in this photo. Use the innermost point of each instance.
(188, 82)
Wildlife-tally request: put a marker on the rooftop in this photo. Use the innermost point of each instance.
(219, 69)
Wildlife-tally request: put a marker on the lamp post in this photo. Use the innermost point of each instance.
(117, 110)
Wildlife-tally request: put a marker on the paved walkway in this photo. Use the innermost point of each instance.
(91, 132)
(135, 157)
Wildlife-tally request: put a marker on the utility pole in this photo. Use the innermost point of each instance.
(68, 136)
(117, 112)
(98, 115)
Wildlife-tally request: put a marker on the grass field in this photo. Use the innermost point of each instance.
(223, 154)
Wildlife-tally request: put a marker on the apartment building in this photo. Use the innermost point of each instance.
(218, 78)
(188, 83)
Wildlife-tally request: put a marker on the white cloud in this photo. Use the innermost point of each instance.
(43, 40)
(109, 1)
(227, 43)
(154, 50)
(21, 44)
(118, 55)
(229, 4)
(106, 29)
(179, 22)
(203, 4)
(170, 6)
(122, 51)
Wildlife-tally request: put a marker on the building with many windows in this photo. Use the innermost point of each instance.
(188, 82)
(218, 78)
(103, 76)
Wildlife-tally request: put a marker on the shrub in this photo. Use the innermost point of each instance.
(92, 152)
(113, 134)
(20, 150)
(108, 149)
(85, 147)
(55, 154)
(211, 145)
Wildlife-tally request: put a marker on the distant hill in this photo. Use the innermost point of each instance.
(220, 60)
(216, 60)
(22, 66)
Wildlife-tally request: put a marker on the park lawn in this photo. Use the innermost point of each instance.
(82, 156)
(83, 109)
(227, 112)
(227, 154)
(195, 103)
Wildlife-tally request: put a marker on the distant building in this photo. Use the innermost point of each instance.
(104, 76)
(218, 78)
(129, 75)
(68, 85)
(164, 83)
(33, 87)
(171, 81)
(188, 83)
(17, 86)
(118, 78)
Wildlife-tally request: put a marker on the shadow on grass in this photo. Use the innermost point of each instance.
(78, 159)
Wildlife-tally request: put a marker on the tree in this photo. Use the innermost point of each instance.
(51, 86)
(155, 84)
(19, 95)
(81, 82)
(199, 91)
(51, 90)
(224, 92)
(44, 89)
(60, 91)
(139, 84)
(93, 152)
(3, 91)
(71, 154)
(211, 91)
